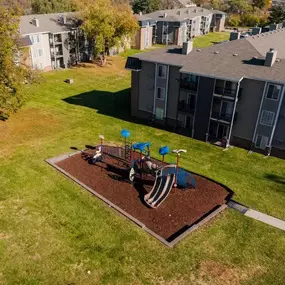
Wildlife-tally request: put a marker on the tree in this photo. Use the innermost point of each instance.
(277, 15)
(52, 6)
(12, 74)
(108, 25)
(145, 6)
(239, 6)
(261, 4)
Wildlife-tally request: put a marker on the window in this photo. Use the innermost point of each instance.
(159, 113)
(38, 38)
(261, 141)
(40, 52)
(273, 92)
(162, 71)
(160, 93)
(32, 39)
(267, 118)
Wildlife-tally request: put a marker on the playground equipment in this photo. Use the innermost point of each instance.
(163, 151)
(177, 151)
(164, 181)
(99, 153)
(125, 134)
(136, 158)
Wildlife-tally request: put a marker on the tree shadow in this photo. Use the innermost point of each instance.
(275, 178)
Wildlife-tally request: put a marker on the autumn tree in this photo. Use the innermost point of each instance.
(145, 6)
(52, 6)
(108, 25)
(277, 15)
(12, 73)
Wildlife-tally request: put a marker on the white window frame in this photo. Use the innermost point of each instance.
(162, 88)
(160, 109)
(278, 87)
(38, 39)
(162, 66)
(265, 123)
(40, 50)
(264, 141)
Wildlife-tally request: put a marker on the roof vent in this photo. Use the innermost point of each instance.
(198, 49)
(178, 12)
(36, 22)
(278, 60)
(164, 15)
(216, 52)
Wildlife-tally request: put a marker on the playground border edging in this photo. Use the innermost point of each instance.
(172, 243)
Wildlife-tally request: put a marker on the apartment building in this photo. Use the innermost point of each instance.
(56, 40)
(175, 26)
(230, 93)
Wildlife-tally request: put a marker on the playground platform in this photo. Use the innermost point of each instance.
(180, 214)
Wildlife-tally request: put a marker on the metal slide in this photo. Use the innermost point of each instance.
(161, 189)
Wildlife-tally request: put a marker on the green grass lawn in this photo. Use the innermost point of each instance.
(54, 232)
(210, 39)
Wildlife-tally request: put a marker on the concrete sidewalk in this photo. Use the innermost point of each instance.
(269, 220)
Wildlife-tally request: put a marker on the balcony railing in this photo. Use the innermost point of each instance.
(189, 85)
(185, 107)
(225, 91)
(221, 116)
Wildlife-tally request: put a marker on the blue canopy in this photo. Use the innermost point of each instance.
(141, 146)
(164, 150)
(125, 133)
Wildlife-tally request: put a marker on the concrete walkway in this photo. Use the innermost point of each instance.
(277, 223)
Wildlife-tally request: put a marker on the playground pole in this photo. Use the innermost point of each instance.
(125, 148)
(177, 166)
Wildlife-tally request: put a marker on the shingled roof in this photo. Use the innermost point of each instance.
(230, 60)
(50, 23)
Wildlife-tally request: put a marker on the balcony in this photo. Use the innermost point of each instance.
(188, 85)
(186, 107)
(225, 92)
(221, 116)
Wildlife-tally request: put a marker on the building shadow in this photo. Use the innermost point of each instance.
(113, 104)
(275, 178)
(107, 103)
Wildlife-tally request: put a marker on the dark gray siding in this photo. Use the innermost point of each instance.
(146, 86)
(173, 91)
(279, 135)
(135, 93)
(248, 108)
(203, 108)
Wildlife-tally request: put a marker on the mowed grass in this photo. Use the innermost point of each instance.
(54, 232)
(210, 39)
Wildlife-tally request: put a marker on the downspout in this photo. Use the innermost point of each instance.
(234, 112)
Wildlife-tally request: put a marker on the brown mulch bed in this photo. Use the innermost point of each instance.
(178, 212)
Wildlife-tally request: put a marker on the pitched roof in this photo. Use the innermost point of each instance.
(182, 14)
(47, 23)
(231, 60)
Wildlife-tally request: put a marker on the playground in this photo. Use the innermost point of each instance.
(163, 199)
